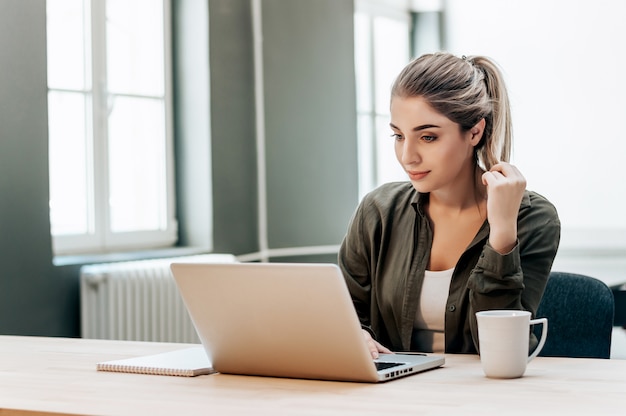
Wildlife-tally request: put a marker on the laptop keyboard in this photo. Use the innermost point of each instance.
(385, 365)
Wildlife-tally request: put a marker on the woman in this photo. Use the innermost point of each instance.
(464, 235)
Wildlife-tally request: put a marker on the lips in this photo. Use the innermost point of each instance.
(417, 175)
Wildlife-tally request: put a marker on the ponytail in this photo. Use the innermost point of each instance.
(497, 147)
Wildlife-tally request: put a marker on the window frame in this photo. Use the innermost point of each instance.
(99, 237)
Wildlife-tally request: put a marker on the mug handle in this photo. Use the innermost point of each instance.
(544, 334)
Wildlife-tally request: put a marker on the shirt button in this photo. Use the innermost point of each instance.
(452, 308)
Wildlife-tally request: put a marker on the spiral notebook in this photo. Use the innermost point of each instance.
(187, 362)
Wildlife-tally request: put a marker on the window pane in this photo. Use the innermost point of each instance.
(367, 171)
(363, 62)
(426, 32)
(67, 40)
(137, 165)
(381, 51)
(388, 168)
(69, 192)
(135, 47)
(391, 46)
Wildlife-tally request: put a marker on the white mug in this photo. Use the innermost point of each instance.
(503, 341)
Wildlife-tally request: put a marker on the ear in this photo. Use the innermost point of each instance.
(477, 132)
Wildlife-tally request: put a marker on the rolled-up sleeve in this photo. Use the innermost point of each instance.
(516, 280)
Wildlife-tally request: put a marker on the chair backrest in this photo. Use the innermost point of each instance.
(580, 311)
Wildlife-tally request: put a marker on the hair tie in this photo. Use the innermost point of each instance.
(468, 60)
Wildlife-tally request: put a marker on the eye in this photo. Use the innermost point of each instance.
(429, 139)
(396, 136)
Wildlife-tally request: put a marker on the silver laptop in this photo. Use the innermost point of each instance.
(292, 320)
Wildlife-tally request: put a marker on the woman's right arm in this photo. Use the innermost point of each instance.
(354, 263)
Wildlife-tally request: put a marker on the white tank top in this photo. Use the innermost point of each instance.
(428, 334)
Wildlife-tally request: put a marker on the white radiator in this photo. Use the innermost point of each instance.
(137, 300)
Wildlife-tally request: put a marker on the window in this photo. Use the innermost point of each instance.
(382, 49)
(386, 33)
(110, 130)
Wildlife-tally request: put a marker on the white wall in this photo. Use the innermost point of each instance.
(565, 67)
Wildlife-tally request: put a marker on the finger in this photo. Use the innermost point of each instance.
(373, 349)
(490, 178)
(383, 349)
(371, 344)
(485, 179)
(509, 175)
(505, 169)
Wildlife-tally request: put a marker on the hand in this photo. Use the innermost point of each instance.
(374, 346)
(505, 188)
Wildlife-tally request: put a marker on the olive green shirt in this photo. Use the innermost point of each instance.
(386, 250)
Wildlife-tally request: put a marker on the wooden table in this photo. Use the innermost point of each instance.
(58, 376)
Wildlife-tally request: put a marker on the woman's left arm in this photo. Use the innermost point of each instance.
(505, 188)
(513, 275)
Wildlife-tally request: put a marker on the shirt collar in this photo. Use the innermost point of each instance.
(418, 202)
(420, 199)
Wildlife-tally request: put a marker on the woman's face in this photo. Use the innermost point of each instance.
(431, 148)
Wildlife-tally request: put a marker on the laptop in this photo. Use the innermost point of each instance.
(292, 320)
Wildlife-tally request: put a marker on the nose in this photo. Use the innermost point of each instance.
(408, 153)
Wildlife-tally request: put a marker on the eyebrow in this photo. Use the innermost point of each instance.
(417, 128)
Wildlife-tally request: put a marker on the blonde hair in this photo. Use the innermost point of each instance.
(465, 90)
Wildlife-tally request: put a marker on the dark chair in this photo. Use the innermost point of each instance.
(580, 316)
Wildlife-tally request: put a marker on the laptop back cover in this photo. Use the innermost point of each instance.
(276, 319)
